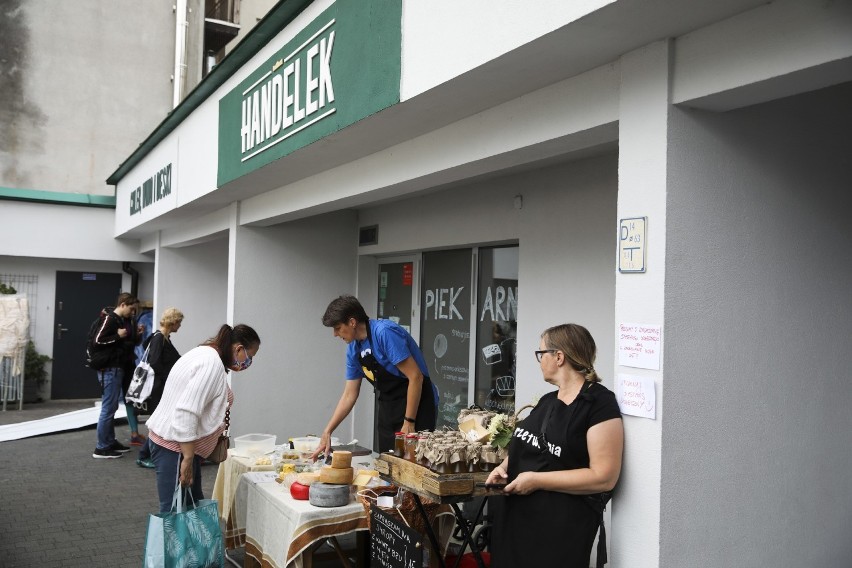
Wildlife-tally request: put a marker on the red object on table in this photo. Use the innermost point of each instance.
(299, 492)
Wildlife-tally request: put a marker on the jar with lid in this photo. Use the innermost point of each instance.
(410, 447)
(399, 444)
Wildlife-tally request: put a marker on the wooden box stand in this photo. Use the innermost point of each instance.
(422, 479)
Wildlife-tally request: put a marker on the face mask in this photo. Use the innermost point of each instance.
(242, 365)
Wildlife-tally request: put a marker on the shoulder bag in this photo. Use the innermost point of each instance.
(220, 452)
(141, 384)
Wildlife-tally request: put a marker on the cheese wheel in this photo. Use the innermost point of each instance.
(341, 459)
(337, 476)
(308, 477)
(299, 491)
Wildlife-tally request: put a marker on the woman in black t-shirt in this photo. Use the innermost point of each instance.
(568, 449)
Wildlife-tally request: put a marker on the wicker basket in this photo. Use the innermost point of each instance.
(407, 513)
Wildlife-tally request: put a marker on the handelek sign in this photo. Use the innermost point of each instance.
(639, 345)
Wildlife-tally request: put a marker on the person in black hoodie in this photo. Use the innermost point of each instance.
(116, 333)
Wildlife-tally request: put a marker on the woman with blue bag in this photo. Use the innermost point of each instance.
(191, 415)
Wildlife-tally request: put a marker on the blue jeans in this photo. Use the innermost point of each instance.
(145, 450)
(167, 463)
(110, 380)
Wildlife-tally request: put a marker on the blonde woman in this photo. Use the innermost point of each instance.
(162, 356)
(562, 458)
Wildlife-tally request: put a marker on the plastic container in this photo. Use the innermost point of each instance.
(310, 443)
(254, 444)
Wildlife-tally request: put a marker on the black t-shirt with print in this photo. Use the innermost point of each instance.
(548, 528)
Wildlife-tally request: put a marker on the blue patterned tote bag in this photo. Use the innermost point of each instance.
(186, 536)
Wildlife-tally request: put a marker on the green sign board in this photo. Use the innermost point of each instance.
(342, 67)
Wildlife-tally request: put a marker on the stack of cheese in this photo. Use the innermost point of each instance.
(340, 471)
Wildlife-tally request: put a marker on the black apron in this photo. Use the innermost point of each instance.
(566, 538)
(392, 399)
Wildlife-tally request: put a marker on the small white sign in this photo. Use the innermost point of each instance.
(636, 396)
(631, 244)
(639, 345)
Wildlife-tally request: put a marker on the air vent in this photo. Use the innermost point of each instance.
(368, 236)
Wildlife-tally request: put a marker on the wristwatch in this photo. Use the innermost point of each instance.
(409, 419)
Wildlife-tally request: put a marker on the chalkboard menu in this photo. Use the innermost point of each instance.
(445, 312)
(393, 545)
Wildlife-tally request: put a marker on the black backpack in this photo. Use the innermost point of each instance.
(97, 356)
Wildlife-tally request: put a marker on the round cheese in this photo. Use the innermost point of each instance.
(339, 476)
(299, 491)
(341, 459)
(328, 495)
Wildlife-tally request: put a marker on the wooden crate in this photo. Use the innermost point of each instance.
(421, 478)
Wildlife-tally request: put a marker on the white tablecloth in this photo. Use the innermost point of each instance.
(279, 528)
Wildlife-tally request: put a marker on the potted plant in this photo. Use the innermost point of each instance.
(35, 375)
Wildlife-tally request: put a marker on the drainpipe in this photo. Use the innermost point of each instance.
(134, 278)
(181, 25)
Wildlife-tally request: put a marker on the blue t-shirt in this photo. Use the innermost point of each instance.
(391, 345)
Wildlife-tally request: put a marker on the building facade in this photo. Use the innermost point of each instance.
(668, 174)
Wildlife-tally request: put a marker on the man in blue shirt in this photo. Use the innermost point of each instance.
(386, 355)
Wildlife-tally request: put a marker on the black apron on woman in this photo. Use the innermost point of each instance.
(549, 528)
(393, 396)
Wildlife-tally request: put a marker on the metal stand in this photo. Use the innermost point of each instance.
(466, 526)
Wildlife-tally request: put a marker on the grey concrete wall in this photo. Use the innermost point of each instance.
(81, 85)
(194, 279)
(285, 275)
(756, 462)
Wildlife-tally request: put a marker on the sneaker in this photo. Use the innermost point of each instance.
(137, 440)
(145, 463)
(119, 447)
(108, 453)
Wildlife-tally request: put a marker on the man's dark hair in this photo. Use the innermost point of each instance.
(126, 298)
(341, 309)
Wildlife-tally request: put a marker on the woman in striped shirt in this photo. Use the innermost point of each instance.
(191, 415)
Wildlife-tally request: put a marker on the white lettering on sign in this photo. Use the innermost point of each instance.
(152, 190)
(441, 303)
(280, 107)
(639, 345)
(502, 305)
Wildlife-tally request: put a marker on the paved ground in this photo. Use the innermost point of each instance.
(59, 507)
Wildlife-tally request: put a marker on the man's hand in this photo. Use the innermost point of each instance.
(122, 332)
(323, 448)
(406, 427)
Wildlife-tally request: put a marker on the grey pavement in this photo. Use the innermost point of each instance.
(59, 507)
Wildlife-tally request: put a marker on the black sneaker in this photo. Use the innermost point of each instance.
(119, 447)
(106, 454)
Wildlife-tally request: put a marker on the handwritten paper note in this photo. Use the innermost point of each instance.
(639, 345)
(636, 396)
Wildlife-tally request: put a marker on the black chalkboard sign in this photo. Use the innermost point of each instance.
(393, 545)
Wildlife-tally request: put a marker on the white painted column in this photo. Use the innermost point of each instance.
(233, 227)
(643, 139)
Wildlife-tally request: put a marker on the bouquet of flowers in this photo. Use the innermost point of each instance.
(500, 430)
(502, 426)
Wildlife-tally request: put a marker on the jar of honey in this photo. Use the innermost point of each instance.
(411, 447)
(399, 444)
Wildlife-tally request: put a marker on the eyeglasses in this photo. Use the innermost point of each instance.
(541, 352)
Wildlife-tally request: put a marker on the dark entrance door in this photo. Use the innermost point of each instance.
(79, 299)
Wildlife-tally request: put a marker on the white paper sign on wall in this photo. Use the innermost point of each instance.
(636, 396)
(639, 345)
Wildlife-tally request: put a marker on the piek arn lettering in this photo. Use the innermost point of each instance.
(296, 88)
